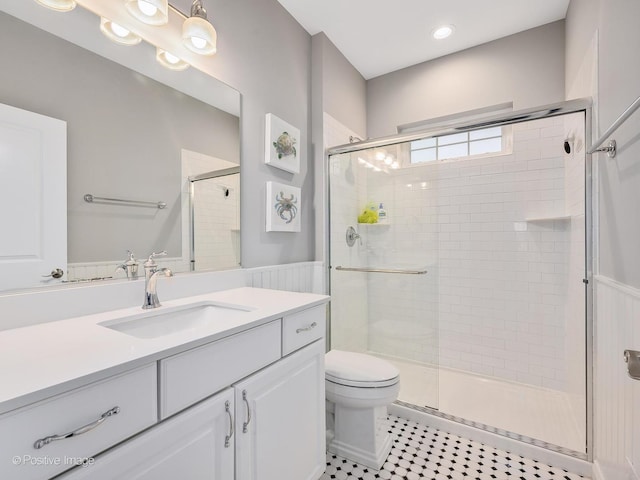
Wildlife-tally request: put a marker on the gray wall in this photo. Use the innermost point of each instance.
(125, 133)
(339, 90)
(344, 89)
(526, 68)
(266, 55)
(617, 86)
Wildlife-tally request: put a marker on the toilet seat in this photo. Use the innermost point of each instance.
(359, 370)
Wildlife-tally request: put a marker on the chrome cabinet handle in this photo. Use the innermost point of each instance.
(246, 424)
(79, 431)
(306, 329)
(227, 408)
(55, 273)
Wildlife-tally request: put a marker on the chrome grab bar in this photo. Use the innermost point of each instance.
(611, 149)
(38, 444)
(382, 270)
(89, 198)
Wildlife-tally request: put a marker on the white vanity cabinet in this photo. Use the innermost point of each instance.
(248, 404)
(280, 419)
(41, 440)
(195, 445)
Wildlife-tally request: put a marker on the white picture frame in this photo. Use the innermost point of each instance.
(283, 207)
(282, 144)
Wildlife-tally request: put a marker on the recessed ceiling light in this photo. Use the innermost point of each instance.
(443, 32)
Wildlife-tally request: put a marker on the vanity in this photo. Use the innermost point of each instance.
(227, 385)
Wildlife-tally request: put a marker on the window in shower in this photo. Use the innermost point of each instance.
(459, 145)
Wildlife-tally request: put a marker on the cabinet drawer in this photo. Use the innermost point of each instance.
(302, 328)
(135, 395)
(191, 376)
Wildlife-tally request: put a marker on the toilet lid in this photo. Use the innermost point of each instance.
(359, 370)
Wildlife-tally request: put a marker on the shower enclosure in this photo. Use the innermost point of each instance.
(214, 199)
(475, 285)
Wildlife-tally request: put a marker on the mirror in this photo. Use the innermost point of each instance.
(129, 137)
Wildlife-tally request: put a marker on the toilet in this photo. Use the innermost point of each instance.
(358, 389)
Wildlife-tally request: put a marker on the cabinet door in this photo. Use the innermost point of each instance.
(280, 419)
(194, 445)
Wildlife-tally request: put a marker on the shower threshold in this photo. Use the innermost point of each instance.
(538, 416)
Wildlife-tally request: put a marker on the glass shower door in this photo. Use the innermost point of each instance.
(383, 270)
(493, 335)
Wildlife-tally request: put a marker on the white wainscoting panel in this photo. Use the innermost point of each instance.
(306, 277)
(617, 396)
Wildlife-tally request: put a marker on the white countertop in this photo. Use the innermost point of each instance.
(43, 360)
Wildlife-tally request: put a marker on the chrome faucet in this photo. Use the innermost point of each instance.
(129, 266)
(151, 274)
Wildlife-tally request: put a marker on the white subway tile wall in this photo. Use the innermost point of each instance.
(217, 223)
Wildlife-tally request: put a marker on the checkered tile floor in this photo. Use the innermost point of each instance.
(421, 452)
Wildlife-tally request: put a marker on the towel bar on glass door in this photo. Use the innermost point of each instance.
(121, 201)
(381, 270)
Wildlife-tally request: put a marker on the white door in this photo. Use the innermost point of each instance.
(196, 444)
(33, 198)
(284, 407)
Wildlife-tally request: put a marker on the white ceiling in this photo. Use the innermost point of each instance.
(381, 36)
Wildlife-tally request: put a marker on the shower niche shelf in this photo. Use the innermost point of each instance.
(564, 218)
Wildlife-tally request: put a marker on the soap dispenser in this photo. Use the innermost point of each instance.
(130, 266)
(382, 213)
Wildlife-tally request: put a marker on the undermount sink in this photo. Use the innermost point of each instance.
(168, 320)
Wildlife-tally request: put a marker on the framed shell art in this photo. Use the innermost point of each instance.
(284, 204)
(282, 144)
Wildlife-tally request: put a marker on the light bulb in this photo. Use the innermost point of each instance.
(170, 61)
(146, 8)
(151, 12)
(198, 42)
(117, 33)
(119, 30)
(58, 5)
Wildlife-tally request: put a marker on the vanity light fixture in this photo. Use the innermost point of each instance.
(198, 35)
(117, 33)
(170, 61)
(58, 5)
(443, 32)
(151, 12)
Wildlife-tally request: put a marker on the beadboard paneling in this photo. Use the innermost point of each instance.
(617, 396)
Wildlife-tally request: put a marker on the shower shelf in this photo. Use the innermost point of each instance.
(379, 224)
(549, 219)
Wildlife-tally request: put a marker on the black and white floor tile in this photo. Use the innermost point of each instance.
(421, 452)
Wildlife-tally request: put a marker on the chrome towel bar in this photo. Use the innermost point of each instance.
(381, 270)
(121, 201)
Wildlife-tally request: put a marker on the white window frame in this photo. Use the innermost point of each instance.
(505, 135)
